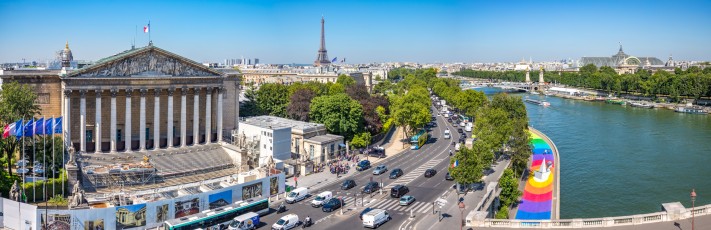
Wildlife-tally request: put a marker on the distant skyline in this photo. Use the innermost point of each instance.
(361, 31)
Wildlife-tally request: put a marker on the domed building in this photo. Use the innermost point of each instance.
(621, 60)
(66, 55)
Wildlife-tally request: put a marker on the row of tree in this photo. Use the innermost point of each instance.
(344, 107)
(693, 82)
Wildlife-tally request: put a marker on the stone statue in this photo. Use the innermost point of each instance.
(72, 160)
(243, 140)
(78, 197)
(15, 192)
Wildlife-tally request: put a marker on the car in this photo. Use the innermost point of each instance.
(459, 130)
(434, 124)
(363, 165)
(380, 170)
(371, 187)
(348, 184)
(366, 210)
(454, 124)
(332, 204)
(406, 200)
(398, 191)
(286, 222)
(430, 173)
(396, 173)
(448, 177)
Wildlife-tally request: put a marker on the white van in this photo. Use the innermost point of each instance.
(457, 147)
(286, 222)
(375, 218)
(247, 221)
(322, 197)
(468, 128)
(297, 195)
(446, 134)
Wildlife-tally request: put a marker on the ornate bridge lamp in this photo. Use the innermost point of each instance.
(693, 198)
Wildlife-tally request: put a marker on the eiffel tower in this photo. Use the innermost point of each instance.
(322, 58)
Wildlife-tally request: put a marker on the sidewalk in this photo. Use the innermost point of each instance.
(451, 212)
(319, 180)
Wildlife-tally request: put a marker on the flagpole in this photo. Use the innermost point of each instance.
(64, 143)
(44, 160)
(34, 190)
(24, 162)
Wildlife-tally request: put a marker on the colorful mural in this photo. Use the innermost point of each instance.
(186, 208)
(220, 199)
(56, 221)
(130, 216)
(538, 194)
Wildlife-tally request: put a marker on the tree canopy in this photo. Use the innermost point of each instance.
(339, 113)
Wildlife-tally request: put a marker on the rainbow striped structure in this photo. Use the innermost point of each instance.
(538, 194)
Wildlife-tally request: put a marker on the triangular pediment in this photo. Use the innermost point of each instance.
(149, 61)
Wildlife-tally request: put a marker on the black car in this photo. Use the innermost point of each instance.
(348, 184)
(371, 187)
(398, 191)
(332, 204)
(395, 173)
(430, 173)
(366, 210)
(363, 165)
(448, 177)
(460, 130)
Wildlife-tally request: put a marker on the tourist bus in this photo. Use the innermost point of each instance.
(210, 219)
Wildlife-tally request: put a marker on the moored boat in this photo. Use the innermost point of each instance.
(690, 109)
(538, 102)
(615, 101)
(642, 105)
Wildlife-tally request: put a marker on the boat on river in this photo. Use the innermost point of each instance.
(642, 105)
(538, 102)
(690, 109)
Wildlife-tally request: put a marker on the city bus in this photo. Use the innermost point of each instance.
(211, 219)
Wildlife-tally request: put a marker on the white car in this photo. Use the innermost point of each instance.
(376, 217)
(286, 222)
(320, 198)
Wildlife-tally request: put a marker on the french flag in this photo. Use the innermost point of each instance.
(455, 164)
(147, 27)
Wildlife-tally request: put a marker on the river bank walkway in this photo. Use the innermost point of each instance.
(540, 195)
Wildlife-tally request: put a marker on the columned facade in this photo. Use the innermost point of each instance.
(94, 127)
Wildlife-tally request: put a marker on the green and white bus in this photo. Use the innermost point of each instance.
(211, 219)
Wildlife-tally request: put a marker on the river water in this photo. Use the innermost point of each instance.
(620, 160)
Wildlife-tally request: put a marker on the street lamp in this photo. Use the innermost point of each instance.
(461, 212)
(693, 198)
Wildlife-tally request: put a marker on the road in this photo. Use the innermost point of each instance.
(434, 155)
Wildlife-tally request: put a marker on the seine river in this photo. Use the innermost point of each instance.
(619, 160)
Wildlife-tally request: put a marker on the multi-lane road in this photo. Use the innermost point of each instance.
(433, 155)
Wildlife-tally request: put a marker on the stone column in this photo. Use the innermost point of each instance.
(82, 121)
(97, 125)
(208, 115)
(183, 116)
(169, 127)
(220, 94)
(113, 121)
(67, 116)
(196, 116)
(142, 125)
(156, 120)
(128, 123)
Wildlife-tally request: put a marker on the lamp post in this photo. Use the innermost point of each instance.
(693, 198)
(461, 212)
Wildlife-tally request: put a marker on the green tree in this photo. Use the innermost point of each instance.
(345, 80)
(509, 188)
(249, 107)
(339, 113)
(299, 104)
(361, 140)
(588, 69)
(503, 213)
(470, 166)
(16, 102)
(272, 99)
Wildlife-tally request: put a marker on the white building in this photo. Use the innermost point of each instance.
(274, 137)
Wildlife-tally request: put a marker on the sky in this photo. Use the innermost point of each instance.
(366, 31)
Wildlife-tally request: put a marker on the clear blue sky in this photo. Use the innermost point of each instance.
(361, 31)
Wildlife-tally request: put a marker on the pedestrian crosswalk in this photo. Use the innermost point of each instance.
(346, 199)
(410, 176)
(394, 205)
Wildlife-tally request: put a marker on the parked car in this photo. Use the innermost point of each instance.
(371, 187)
(448, 177)
(377, 151)
(348, 184)
(396, 173)
(406, 200)
(430, 173)
(332, 204)
(380, 170)
(363, 165)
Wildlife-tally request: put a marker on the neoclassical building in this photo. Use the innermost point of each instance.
(141, 99)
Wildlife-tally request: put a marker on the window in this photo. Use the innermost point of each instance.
(148, 133)
(265, 146)
(118, 135)
(311, 151)
(333, 147)
(89, 134)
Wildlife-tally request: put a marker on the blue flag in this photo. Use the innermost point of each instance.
(39, 126)
(58, 125)
(48, 126)
(334, 59)
(30, 128)
(19, 129)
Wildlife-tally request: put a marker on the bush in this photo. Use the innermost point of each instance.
(35, 189)
(503, 213)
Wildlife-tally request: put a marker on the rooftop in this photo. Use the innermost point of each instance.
(272, 122)
(324, 138)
